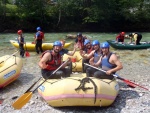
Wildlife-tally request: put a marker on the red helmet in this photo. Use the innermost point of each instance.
(19, 32)
(122, 33)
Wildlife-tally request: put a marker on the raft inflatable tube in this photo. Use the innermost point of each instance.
(10, 68)
(31, 46)
(79, 91)
(76, 61)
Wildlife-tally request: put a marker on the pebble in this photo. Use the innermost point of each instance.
(129, 100)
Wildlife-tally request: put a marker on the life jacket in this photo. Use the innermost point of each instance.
(80, 43)
(105, 64)
(21, 39)
(88, 51)
(41, 35)
(120, 37)
(96, 56)
(55, 61)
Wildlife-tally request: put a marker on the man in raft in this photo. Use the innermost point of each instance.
(96, 54)
(88, 48)
(109, 62)
(50, 61)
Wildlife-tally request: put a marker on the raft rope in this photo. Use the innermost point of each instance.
(82, 86)
(10, 66)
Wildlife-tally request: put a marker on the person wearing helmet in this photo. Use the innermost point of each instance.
(120, 37)
(96, 53)
(137, 38)
(50, 61)
(66, 51)
(88, 48)
(39, 37)
(109, 62)
(79, 41)
(21, 43)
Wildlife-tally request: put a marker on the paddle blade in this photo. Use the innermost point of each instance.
(27, 54)
(18, 104)
(133, 85)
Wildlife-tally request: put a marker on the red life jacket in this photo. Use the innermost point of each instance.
(120, 37)
(41, 36)
(89, 50)
(55, 61)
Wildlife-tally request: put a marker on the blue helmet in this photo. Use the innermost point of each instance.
(95, 42)
(38, 29)
(105, 45)
(86, 41)
(57, 43)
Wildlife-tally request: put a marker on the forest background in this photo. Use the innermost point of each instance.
(75, 15)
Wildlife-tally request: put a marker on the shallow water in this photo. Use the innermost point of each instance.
(125, 55)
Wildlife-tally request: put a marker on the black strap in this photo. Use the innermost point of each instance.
(82, 86)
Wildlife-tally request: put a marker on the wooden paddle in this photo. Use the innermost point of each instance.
(9, 57)
(128, 82)
(26, 53)
(18, 104)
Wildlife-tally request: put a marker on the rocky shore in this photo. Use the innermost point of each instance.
(136, 68)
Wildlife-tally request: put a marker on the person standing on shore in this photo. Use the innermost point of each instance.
(21, 43)
(39, 37)
(50, 61)
(136, 36)
(109, 62)
(120, 37)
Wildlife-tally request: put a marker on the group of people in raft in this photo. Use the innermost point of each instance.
(93, 53)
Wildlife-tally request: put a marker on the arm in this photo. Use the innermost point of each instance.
(114, 60)
(42, 63)
(86, 56)
(74, 50)
(117, 37)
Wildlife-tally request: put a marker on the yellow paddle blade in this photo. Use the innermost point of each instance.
(18, 104)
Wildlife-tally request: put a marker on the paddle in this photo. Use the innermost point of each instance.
(128, 82)
(18, 104)
(9, 57)
(26, 53)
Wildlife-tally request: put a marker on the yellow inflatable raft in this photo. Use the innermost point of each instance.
(76, 61)
(31, 46)
(79, 91)
(10, 68)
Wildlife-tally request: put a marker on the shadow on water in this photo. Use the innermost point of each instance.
(124, 95)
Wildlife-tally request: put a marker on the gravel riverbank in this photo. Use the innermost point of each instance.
(136, 68)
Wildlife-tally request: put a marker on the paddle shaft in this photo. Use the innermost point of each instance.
(9, 57)
(132, 84)
(26, 96)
